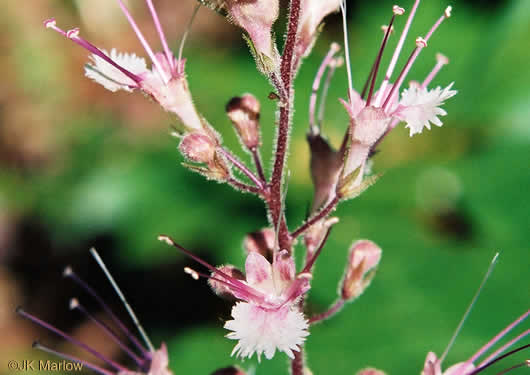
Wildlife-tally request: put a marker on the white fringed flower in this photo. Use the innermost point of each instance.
(263, 331)
(111, 77)
(420, 107)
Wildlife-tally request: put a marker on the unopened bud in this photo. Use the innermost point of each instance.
(314, 236)
(370, 371)
(261, 242)
(221, 288)
(363, 259)
(232, 370)
(198, 147)
(244, 113)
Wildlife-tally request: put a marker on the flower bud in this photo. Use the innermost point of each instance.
(216, 169)
(221, 289)
(256, 17)
(261, 242)
(363, 258)
(312, 12)
(326, 164)
(198, 148)
(370, 371)
(232, 370)
(316, 233)
(244, 113)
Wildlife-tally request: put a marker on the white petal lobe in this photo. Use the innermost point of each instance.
(109, 76)
(263, 331)
(421, 107)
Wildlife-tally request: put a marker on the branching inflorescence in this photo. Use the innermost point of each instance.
(268, 313)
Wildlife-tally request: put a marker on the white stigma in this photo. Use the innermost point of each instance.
(398, 11)
(74, 303)
(166, 239)
(50, 23)
(420, 42)
(442, 59)
(447, 11)
(192, 273)
(68, 271)
(73, 33)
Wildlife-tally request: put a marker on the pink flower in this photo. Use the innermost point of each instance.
(165, 82)
(267, 317)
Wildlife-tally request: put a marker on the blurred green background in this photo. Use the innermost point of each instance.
(82, 167)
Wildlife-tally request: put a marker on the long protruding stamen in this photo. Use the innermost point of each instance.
(441, 60)
(37, 345)
(499, 336)
(68, 272)
(74, 304)
(162, 36)
(335, 63)
(144, 43)
(372, 69)
(522, 364)
(180, 67)
(397, 11)
(316, 85)
(420, 44)
(470, 307)
(479, 369)
(229, 278)
(122, 298)
(347, 51)
(396, 54)
(73, 35)
(58, 332)
(504, 347)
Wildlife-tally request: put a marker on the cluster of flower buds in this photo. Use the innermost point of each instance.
(148, 360)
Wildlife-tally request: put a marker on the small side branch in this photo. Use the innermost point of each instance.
(334, 309)
(320, 215)
(242, 167)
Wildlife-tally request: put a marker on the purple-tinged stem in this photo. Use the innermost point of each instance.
(320, 215)
(499, 336)
(169, 55)
(311, 262)
(441, 60)
(73, 35)
(378, 60)
(297, 363)
(68, 272)
(504, 347)
(67, 337)
(259, 166)
(99, 370)
(243, 187)
(479, 369)
(74, 304)
(316, 84)
(143, 41)
(335, 308)
(242, 167)
(420, 44)
(397, 52)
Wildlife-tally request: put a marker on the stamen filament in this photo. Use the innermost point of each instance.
(58, 332)
(74, 304)
(470, 307)
(441, 61)
(378, 59)
(158, 26)
(479, 369)
(499, 336)
(322, 106)
(73, 35)
(504, 347)
(68, 272)
(311, 262)
(37, 345)
(396, 54)
(180, 67)
(347, 51)
(122, 298)
(316, 85)
(144, 43)
(522, 364)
